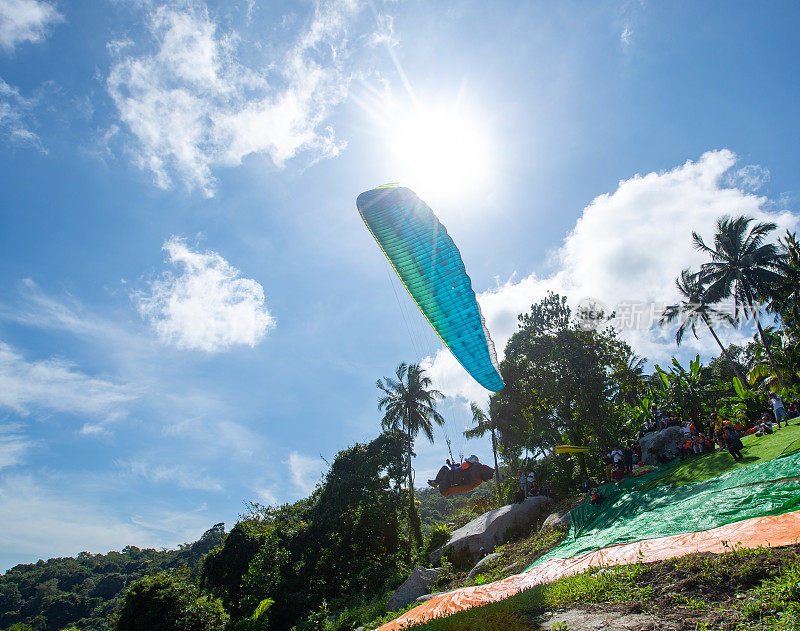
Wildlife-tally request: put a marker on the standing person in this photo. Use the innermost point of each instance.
(637, 452)
(523, 485)
(734, 444)
(531, 483)
(715, 423)
(617, 456)
(778, 409)
(608, 463)
(627, 456)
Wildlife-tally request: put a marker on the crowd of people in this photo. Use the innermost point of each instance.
(722, 434)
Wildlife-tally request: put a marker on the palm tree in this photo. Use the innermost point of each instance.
(785, 294)
(693, 309)
(409, 405)
(786, 354)
(483, 424)
(742, 265)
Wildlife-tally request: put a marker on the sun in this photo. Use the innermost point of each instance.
(440, 151)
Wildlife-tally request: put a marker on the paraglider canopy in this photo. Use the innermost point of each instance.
(430, 266)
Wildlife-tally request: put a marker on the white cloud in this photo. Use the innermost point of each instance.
(266, 495)
(751, 177)
(184, 476)
(628, 247)
(384, 31)
(16, 117)
(25, 21)
(56, 385)
(192, 106)
(625, 36)
(207, 306)
(13, 445)
(305, 472)
(219, 437)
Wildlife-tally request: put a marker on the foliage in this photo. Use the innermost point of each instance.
(440, 534)
(697, 587)
(691, 394)
(565, 382)
(345, 543)
(484, 423)
(743, 405)
(743, 266)
(785, 362)
(166, 602)
(409, 406)
(85, 590)
(785, 291)
(694, 308)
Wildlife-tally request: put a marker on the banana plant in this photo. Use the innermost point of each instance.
(743, 404)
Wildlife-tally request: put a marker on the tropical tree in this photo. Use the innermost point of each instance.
(693, 309)
(562, 385)
(785, 293)
(786, 357)
(742, 265)
(484, 423)
(409, 405)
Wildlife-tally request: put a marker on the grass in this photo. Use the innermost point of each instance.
(741, 589)
(784, 441)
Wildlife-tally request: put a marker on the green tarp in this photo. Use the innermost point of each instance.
(628, 514)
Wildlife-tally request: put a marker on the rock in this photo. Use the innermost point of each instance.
(483, 563)
(414, 586)
(485, 532)
(661, 443)
(554, 519)
(509, 568)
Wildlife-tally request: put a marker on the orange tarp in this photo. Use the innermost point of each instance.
(772, 530)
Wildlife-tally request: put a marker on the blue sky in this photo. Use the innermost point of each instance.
(192, 313)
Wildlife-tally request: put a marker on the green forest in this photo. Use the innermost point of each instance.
(331, 560)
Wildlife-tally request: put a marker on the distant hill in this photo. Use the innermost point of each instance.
(84, 591)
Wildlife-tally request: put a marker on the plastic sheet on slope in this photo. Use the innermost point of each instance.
(627, 514)
(772, 530)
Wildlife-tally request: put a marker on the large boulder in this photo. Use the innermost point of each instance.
(416, 585)
(480, 565)
(658, 447)
(556, 519)
(483, 533)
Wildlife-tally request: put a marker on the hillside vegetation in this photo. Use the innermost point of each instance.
(87, 590)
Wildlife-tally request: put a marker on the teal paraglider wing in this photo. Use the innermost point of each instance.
(430, 266)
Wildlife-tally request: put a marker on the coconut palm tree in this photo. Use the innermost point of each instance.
(785, 294)
(409, 405)
(786, 354)
(483, 424)
(742, 265)
(693, 309)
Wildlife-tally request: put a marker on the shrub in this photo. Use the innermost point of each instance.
(164, 602)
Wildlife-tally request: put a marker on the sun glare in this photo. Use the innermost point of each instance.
(441, 152)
